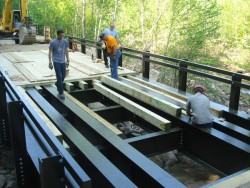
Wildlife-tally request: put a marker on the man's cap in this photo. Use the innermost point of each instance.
(198, 87)
(101, 36)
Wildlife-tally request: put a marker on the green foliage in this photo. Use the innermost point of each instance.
(199, 23)
(205, 31)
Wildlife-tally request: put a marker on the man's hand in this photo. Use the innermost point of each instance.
(103, 45)
(50, 65)
(67, 63)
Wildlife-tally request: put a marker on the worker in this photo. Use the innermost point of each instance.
(198, 108)
(58, 49)
(114, 53)
(109, 32)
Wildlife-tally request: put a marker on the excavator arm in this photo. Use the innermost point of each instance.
(24, 12)
(7, 16)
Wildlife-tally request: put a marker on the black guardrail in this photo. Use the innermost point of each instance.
(184, 67)
(40, 158)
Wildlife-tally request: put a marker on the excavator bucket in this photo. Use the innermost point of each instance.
(27, 35)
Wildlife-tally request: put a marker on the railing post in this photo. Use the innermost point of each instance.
(182, 76)
(16, 121)
(83, 47)
(99, 50)
(145, 65)
(4, 123)
(52, 172)
(70, 43)
(120, 60)
(235, 92)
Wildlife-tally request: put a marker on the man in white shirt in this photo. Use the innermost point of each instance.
(198, 108)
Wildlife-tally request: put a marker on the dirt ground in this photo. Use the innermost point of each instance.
(10, 46)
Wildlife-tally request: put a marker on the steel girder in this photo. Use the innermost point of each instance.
(133, 164)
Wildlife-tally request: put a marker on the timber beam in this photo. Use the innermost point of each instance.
(140, 111)
(168, 91)
(139, 94)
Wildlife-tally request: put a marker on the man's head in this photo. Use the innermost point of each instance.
(60, 34)
(198, 88)
(112, 26)
(103, 36)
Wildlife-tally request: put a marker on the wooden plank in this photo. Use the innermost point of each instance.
(83, 85)
(241, 180)
(95, 115)
(66, 146)
(10, 58)
(44, 118)
(143, 96)
(158, 88)
(140, 111)
(69, 86)
(17, 57)
(149, 88)
(176, 96)
(39, 89)
(25, 72)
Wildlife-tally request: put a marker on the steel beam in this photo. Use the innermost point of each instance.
(16, 120)
(217, 149)
(4, 124)
(90, 96)
(232, 130)
(158, 142)
(237, 118)
(142, 171)
(102, 173)
(52, 172)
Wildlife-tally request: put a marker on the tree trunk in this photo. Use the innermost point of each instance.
(83, 17)
(115, 11)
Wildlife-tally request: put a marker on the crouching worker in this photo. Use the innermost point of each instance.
(114, 52)
(198, 108)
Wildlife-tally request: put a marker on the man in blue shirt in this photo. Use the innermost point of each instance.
(109, 32)
(58, 49)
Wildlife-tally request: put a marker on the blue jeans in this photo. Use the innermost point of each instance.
(60, 69)
(114, 64)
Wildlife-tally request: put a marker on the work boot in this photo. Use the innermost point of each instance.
(61, 96)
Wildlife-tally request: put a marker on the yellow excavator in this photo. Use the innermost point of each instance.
(16, 24)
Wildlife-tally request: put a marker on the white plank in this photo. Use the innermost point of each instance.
(143, 96)
(69, 86)
(175, 96)
(140, 111)
(83, 85)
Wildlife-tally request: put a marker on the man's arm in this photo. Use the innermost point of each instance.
(50, 61)
(50, 55)
(188, 109)
(67, 54)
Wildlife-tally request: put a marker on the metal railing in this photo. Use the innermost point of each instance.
(184, 67)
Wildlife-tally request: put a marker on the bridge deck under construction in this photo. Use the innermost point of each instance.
(31, 67)
(106, 132)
